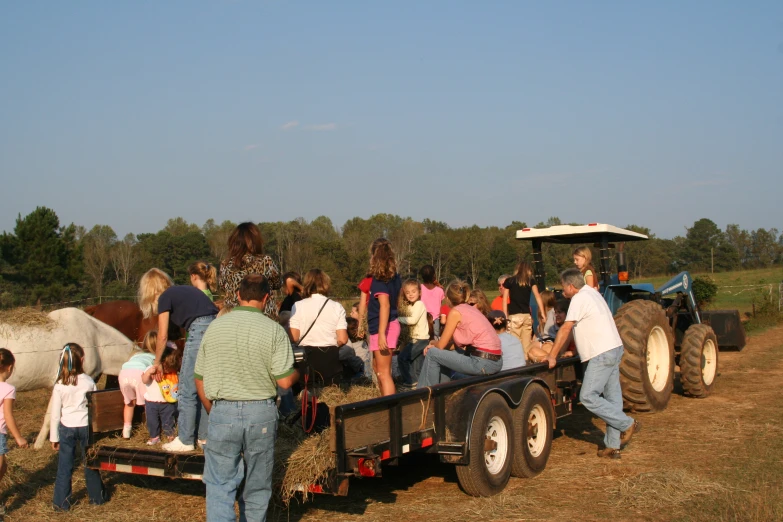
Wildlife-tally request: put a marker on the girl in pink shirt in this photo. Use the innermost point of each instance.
(7, 421)
(466, 328)
(431, 295)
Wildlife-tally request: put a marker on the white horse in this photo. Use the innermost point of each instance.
(37, 351)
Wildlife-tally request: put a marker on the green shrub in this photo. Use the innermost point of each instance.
(766, 312)
(705, 290)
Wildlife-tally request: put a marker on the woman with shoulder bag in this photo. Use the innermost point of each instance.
(318, 325)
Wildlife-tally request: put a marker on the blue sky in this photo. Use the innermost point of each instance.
(130, 113)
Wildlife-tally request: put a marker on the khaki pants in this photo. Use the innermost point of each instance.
(521, 325)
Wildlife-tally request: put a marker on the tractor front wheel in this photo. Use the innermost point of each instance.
(647, 368)
(698, 360)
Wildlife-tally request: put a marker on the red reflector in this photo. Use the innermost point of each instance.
(426, 442)
(141, 470)
(367, 467)
(315, 488)
(107, 466)
(592, 224)
(525, 230)
(385, 455)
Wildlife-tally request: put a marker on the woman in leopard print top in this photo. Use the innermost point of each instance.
(245, 248)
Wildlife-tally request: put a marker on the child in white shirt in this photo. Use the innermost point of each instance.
(69, 427)
(160, 399)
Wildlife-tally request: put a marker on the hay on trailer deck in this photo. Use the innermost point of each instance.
(302, 460)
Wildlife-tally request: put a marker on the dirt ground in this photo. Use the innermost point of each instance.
(712, 459)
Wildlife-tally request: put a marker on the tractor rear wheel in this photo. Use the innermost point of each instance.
(698, 360)
(647, 368)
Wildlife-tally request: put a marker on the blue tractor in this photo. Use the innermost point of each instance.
(660, 327)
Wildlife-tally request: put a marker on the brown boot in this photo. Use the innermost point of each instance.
(609, 453)
(625, 437)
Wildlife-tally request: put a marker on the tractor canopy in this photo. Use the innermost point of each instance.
(573, 234)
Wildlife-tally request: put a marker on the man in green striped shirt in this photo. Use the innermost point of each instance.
(244, 356)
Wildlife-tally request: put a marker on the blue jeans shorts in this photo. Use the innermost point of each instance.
(3, 444)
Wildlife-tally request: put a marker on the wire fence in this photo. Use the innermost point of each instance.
(90, 301)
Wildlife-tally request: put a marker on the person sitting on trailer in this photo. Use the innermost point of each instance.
(465, 327)
(543, 344)
(513, 353)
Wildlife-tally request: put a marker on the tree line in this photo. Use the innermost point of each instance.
(45, 262)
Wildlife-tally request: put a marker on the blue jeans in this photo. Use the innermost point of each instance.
(602, 377)
(69, 438)
(411, 359)
(241, 446)
(438, 366)
(287, 401)
(192, 415)
(160, 414)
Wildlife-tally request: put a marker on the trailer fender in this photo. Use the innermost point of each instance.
(461, 407)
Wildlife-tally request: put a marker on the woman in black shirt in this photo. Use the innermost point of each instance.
(516, 305)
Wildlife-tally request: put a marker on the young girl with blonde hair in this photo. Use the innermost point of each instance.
(190, 309)
(517, 291)
(69, 427)
(382, 323)
(583, 259)
(413, 315)
(204, 277)
(131, 386)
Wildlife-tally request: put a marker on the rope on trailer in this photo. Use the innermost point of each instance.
(425, 410)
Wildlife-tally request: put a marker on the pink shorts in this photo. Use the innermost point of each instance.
(392, 334)
(131, 386)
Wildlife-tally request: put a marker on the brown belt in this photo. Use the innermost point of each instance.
(481, 354)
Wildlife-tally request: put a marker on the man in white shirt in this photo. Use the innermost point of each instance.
(598, 342)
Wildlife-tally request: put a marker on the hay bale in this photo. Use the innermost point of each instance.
(26, 316)
(302, 460)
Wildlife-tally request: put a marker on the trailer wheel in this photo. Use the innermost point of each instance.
(698, 360)
(647, 368)
(533, 422)
(491, 449)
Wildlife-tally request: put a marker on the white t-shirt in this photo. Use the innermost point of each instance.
(594, 331)
(153, 393)
(69, 405)
(324, 331)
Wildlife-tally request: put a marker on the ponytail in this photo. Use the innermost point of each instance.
(457, 292)
(206, 272)
(71, 364)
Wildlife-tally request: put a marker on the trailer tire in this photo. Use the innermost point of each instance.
(533, 425)
(488, 472)
(698, 360)
(647, 368)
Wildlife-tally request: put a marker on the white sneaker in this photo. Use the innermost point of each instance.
(127, 431)
(177, 446)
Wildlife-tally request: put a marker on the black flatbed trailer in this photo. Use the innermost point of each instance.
(490, 427)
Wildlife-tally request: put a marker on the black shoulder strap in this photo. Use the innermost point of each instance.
(313, 323)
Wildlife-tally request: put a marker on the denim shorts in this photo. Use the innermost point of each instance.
(3, 444)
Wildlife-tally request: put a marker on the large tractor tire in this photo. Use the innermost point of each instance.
(698, 360)
(533, 424)
(491, 449)
(647, 368)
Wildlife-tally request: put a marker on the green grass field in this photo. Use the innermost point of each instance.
(736, 290)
